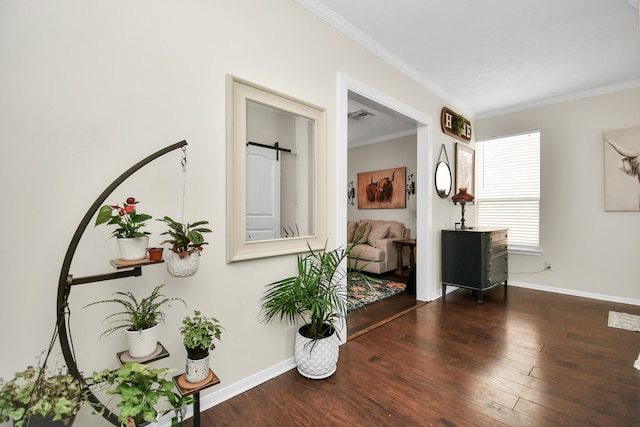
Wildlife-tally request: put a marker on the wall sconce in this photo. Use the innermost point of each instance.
(463, 198)
(411, 186)
(351, 193)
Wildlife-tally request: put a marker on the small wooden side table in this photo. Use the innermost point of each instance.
(187, 389)
(400, 244)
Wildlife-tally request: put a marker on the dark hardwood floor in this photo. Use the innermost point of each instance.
(523, 358)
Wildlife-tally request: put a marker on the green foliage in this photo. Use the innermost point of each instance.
(125, 218)
(315, 294)
(32, 393)
(199, 331)
(185, 238)
(138, 314)
(459, 124)
(141, 388)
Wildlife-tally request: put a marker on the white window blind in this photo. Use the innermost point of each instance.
(508, 185)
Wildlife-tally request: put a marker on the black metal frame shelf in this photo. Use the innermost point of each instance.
(66, 280)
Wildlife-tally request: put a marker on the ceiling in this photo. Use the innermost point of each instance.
(491, 57)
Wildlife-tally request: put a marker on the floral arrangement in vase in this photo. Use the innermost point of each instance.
(132, 242)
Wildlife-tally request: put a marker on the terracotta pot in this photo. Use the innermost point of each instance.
(155, 254)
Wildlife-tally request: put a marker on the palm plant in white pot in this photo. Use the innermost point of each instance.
(317, 296)
(140, 319)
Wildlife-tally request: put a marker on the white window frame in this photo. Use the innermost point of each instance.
(502, 188)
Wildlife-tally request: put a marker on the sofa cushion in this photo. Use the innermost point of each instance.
(396, 229)
(351, 230)
(378, 231)
(367, 252)
(362, 232)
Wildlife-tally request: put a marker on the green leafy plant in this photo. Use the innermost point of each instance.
(199, 331)
(459, 124)
(138, 314)
(33, 393)
(126, 218)
(185, 238)
(314, 295)
(141, 388)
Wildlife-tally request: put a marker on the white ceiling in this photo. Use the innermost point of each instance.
(490, 57)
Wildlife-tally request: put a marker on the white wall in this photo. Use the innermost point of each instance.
(88, 89)
(396, 153)
(591, 251)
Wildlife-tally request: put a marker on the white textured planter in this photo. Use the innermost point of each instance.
(133, 248)
(182, 267)
(142, 343)
(317, 359)
(197, 370)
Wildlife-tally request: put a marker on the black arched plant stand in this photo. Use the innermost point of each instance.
(67, 280)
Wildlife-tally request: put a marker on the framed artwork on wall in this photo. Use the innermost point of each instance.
(383, 189)
(465, 169)
(622, 170)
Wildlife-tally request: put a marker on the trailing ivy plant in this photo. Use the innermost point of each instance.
(33, 393)
(199, 331)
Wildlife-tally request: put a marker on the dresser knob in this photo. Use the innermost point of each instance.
(490, 264)
(489, 280)
(490, 251)
(490, 238)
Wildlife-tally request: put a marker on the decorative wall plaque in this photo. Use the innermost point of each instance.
(455, 125)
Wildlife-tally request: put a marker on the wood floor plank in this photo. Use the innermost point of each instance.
(523, 358)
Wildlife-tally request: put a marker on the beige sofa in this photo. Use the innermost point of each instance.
(376, 252)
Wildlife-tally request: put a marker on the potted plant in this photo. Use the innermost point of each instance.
(198, 333)
(317, 296)
(140, 388)
(459, 124)
(132, 242)
(140, 319)
(186, 244)
(34, 398)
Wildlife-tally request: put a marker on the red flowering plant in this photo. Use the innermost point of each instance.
(125, 217)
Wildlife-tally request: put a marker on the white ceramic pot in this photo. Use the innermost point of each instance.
(197, 370)
(182, 267)
(317, 359)
(133, 248)
(142, 343)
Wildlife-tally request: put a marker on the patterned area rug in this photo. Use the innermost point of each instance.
(362, 293)
(630, 322)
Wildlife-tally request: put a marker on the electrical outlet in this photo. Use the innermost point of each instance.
(547, 265)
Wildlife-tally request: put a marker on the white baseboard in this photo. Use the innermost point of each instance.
(220, 395)
(575, 293)
(631, 301)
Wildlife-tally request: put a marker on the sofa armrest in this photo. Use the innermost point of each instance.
(391, 251)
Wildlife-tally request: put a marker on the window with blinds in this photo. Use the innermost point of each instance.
(508, 186)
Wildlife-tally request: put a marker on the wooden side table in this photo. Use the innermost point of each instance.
(187, 389)
(400, 244)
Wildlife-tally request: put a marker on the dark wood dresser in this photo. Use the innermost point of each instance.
(474, 259)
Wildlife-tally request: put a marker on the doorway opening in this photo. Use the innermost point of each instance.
(383, 124)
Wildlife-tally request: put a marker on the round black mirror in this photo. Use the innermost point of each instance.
(443, 180)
